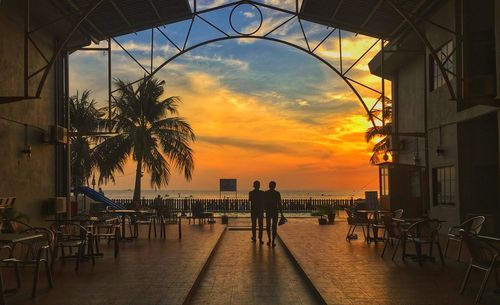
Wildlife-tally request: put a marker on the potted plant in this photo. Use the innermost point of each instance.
(10, 219)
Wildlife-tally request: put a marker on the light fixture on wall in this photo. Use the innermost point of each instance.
(27, 148)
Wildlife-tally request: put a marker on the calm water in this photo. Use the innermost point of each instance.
(295, 194)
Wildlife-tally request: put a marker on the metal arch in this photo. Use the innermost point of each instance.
(344, 78)
(62, 46)
(428, 45)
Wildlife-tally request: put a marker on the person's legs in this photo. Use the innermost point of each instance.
(253, 216)
(275, 227)
(268, 228)
(260, 218)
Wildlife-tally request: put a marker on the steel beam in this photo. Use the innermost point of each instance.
(427, 43)
(62, 46)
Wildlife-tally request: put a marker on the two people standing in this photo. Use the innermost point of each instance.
(270, 202)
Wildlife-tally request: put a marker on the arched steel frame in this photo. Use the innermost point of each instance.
(409, 18)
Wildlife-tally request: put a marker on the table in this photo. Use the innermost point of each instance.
(12, 238)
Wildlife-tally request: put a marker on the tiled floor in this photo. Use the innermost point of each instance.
(147, 272)
(246, 273)
(354, 273)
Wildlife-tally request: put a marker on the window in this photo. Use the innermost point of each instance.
(384, 181)
(444, 185)
(445, 55)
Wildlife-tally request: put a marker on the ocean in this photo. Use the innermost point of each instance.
(213, 194)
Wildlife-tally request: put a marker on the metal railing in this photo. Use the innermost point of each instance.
(236, 205)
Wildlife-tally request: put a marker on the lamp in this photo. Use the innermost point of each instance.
(27, 148)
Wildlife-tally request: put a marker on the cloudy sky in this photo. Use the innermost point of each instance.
(260, 109)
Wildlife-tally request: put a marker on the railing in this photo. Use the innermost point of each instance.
(236, 205)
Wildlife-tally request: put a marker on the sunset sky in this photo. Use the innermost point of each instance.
(260, 109)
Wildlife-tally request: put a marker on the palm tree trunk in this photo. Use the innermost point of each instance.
(138, 176)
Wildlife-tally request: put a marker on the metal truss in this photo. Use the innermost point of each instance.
(77, 17)
(373, 111)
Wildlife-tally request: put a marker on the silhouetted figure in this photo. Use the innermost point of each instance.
(256, 198)
(157, 201)
(101, 191)
(273, 209)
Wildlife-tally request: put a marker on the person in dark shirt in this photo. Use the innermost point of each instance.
(273, 209)
(256, 198)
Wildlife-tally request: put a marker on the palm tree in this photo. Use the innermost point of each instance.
(86, 119)
(146, 132)
(382, 132)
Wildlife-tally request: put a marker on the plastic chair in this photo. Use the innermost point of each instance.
(472, 225)
(484, 256)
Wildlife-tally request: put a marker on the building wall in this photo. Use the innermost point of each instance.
(32, 179)
(449, 128)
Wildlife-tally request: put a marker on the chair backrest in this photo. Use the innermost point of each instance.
(69, 231)
(30, 250)
(426, 229)
(473, 225)
(398, 213)
(481, 250)
(391, 226)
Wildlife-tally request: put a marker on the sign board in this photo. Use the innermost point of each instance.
(227, 185)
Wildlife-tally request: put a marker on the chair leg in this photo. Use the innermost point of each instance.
(149, 231)
(441, 257)
(385, 246)
(396, 249)
(466, 278)
(79, 256)
(418, 249)
(446, 247)
(48, 271)
(483, 285)
(154, 225)
(459, 250)
(35, 278)
(18, 275)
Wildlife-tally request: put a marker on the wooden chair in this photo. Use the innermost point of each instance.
(472, 225)
(484, 256)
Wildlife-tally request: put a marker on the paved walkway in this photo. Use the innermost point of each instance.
(148, 272)
(246, 273)
(354, 273)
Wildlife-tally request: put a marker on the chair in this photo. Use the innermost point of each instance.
(423, 232)
(32, 253)
(107, 227)
(472, 225)
(484, 256)
(398, 213)
(71, 236)
(139, 219)
(393, 233)
(377, 223)
(167, 217)
(354, 220)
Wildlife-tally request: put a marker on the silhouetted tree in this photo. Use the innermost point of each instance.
(382, 132)
(149, 132)
(85, 120)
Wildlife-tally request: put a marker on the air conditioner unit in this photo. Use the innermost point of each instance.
(58, 134)
(57, 205)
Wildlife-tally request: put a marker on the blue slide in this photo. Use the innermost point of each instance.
(87, 191)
